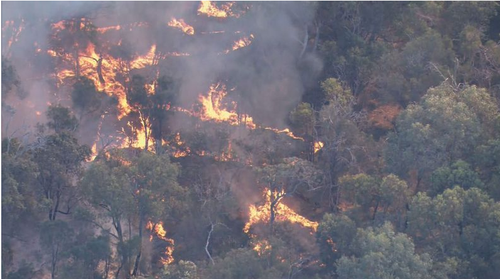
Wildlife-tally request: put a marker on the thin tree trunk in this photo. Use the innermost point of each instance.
(208, 243)
(138, 258)
(375, 210)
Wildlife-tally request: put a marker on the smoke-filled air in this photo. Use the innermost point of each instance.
(250, 140)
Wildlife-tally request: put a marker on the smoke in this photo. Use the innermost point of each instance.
(265, 76)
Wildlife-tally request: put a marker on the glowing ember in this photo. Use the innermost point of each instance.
(106, 29)
(186, 28)
(14, 32)
(261, 247)
(226, 155)
(179, 143)
(318, 145)
(334, 246)
(213, 32)
(158, 231)
(283, 213)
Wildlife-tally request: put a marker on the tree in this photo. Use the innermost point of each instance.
(137, 98)
(153, 181)
(459, 173)
(285, 179)
(152, 108)
(163, 99)
(345, 145)
(105, 186)
(10, 78)
(403, 75)
(55, 235)
(76, 35)
(303, 120)
(59, 162)
(26, 270)
(444, 127)
(382, 253)
(142, 188)
(182, 270)
(390, 194)
(487, 157)
(245, 264)
(19, 176)
(85, 96)
(335, 235)
(338, 94)
(461, 224)
(86, 256)
(61, 119)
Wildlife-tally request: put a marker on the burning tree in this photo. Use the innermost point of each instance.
(286, 179)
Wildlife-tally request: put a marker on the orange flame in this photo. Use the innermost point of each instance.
(284, 131)
(211, 10)
(94, 146)
(318, 145)
(144, 60)
(140, 141)
(261, 247)
(14, 33)
(213, 108)
(106, 29)
(186, 28)
(241, 43)
(283, 213)
(158, 230)
(101, 69)
(178, 142)
(94, 152)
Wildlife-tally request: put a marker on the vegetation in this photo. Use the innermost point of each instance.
(390, 169)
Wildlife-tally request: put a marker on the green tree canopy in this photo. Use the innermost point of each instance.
(383, 253)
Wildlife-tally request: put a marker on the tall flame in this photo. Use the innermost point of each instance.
(214, 109)
(158, 231)
(262, 213)
(186, 28)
